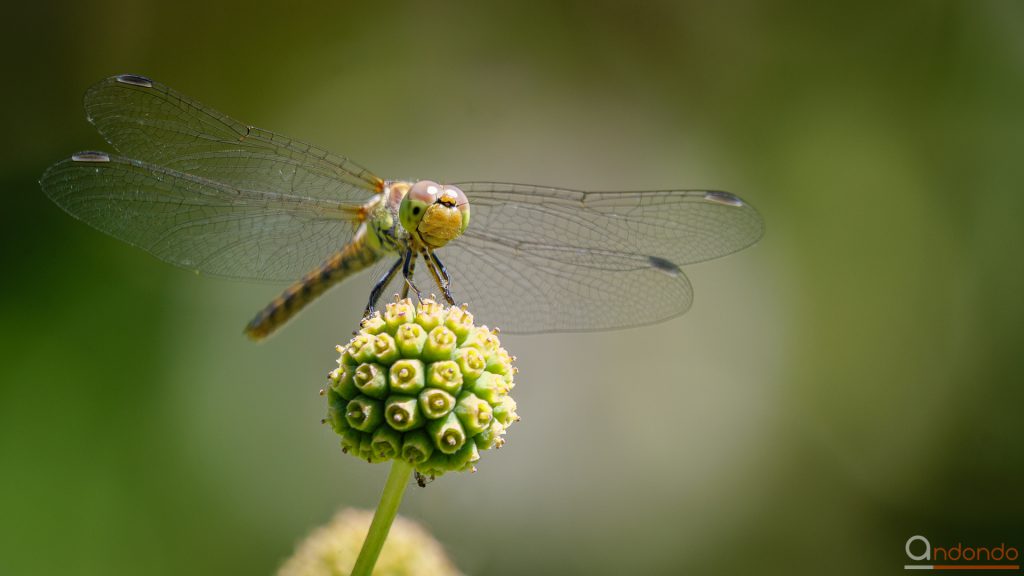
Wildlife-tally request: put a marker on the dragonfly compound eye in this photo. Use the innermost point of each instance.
(421, 196)
(460, 202)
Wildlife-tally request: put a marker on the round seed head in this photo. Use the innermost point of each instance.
(423, 384)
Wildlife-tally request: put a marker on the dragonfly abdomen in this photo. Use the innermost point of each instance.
(354, 257)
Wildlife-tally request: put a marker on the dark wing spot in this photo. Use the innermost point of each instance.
(663, 265)
(724, 198)
(134, 80)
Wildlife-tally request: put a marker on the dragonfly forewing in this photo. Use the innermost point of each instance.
(148, 121)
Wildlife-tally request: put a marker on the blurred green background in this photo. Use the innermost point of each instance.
(851, 381)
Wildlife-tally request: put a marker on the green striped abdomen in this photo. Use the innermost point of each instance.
(355, 256)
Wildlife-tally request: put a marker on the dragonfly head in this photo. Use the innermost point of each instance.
(436, 214)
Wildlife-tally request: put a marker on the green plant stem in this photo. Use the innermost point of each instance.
(394, 488)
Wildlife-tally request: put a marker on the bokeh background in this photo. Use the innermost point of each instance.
(853, 380)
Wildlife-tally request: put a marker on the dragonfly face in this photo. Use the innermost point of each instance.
(434, 214)
(203, 191)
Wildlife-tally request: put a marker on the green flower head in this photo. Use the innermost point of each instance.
(424, 385)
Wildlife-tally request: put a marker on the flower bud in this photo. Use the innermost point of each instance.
(447, 434)
(410, 339)
(440, 344)
(488, 386)
(386, 443)
(398, 313)
(364, 414)
(361, 348)
(342, 381)
(384, 349)
(465, 458)
(373, 325)
(460, 322)
(482, 339)
(446, 376)
(505, 411)
(370, 379)
(471, 362)
(474, 413)
(336, 405)
(436, 403)
(407, 376)
(417, 447)
(403, 412)
(430, 315)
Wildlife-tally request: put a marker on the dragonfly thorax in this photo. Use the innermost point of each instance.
(434, 214)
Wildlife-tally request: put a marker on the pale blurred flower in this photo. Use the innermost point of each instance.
(331, 550)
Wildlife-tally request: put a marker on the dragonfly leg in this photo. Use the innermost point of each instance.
(440, 266)
(408, 267)
(381, 286)
(440, 274)
(405, 285)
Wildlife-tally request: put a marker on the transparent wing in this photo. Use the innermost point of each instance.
(197, 223)
(148, 121)
(539, 259)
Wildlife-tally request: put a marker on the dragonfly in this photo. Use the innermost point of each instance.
(207, 193)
